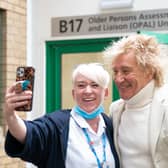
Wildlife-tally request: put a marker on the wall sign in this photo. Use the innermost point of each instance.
(110, 23)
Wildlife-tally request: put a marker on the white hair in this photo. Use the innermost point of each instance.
(147, 53)
(94, 72)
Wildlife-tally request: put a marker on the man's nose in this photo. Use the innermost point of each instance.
(119, 77)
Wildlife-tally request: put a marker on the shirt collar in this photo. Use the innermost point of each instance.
(81, 122)
(143, 97)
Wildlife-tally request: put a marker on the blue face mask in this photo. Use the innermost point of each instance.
(91, 115)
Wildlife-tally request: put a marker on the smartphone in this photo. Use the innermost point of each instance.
(25, 76)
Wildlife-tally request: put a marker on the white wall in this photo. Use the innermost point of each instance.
(39, 30)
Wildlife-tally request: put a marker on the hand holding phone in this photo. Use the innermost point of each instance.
(25, 81)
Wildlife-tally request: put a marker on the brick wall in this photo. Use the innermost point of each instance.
(12, 54)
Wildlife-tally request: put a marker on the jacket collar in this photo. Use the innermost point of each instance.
(157, 115)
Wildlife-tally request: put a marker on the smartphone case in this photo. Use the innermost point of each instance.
(25, 81)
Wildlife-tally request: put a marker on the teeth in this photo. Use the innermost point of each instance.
(123, 86)
(88, 99)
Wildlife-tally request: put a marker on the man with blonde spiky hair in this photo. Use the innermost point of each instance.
(140, 116)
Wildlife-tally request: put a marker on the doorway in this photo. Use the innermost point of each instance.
(62, 57)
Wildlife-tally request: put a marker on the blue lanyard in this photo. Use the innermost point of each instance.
(93, 149)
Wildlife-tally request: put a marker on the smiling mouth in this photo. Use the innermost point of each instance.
(124, 86)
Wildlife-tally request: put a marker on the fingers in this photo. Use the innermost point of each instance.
(11, 106)
(11, 89)
(16, 87)
(14, 100)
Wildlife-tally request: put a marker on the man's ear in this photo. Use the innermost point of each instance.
(106, 93)
(73, 93)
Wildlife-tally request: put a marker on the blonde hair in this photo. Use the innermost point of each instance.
(146, 50)
(94, 72)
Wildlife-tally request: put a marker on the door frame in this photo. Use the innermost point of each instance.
(54, 52)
